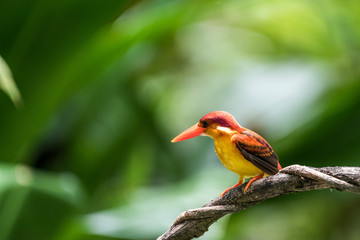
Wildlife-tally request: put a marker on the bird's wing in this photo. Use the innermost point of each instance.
(255, 149)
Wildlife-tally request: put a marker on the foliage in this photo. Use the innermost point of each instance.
(106, 84)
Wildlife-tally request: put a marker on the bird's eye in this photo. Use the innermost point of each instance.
(204, 124)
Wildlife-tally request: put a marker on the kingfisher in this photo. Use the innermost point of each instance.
(240, 150)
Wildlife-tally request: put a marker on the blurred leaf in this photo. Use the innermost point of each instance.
(40, 204)
(153, 209)
(43, 45)
(7, 83)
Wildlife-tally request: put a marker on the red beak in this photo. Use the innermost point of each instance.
(189, 133)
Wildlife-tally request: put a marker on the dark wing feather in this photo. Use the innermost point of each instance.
(255, 149)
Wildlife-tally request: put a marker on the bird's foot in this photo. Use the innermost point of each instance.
(236, 185)
(252, 180)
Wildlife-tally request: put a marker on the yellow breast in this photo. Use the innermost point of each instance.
(232, 159)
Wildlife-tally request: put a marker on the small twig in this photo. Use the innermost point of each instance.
(194, 223)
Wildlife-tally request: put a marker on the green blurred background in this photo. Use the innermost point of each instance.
(105, 86)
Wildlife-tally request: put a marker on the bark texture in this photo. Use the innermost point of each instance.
(295, 178)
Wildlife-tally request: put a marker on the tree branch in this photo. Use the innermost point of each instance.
(295, 178)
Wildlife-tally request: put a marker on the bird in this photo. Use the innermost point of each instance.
(240, 150)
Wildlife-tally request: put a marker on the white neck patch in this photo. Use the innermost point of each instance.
(224, 129)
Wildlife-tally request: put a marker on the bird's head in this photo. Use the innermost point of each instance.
(212, 124)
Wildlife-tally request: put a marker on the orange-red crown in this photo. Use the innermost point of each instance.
(222, 119)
